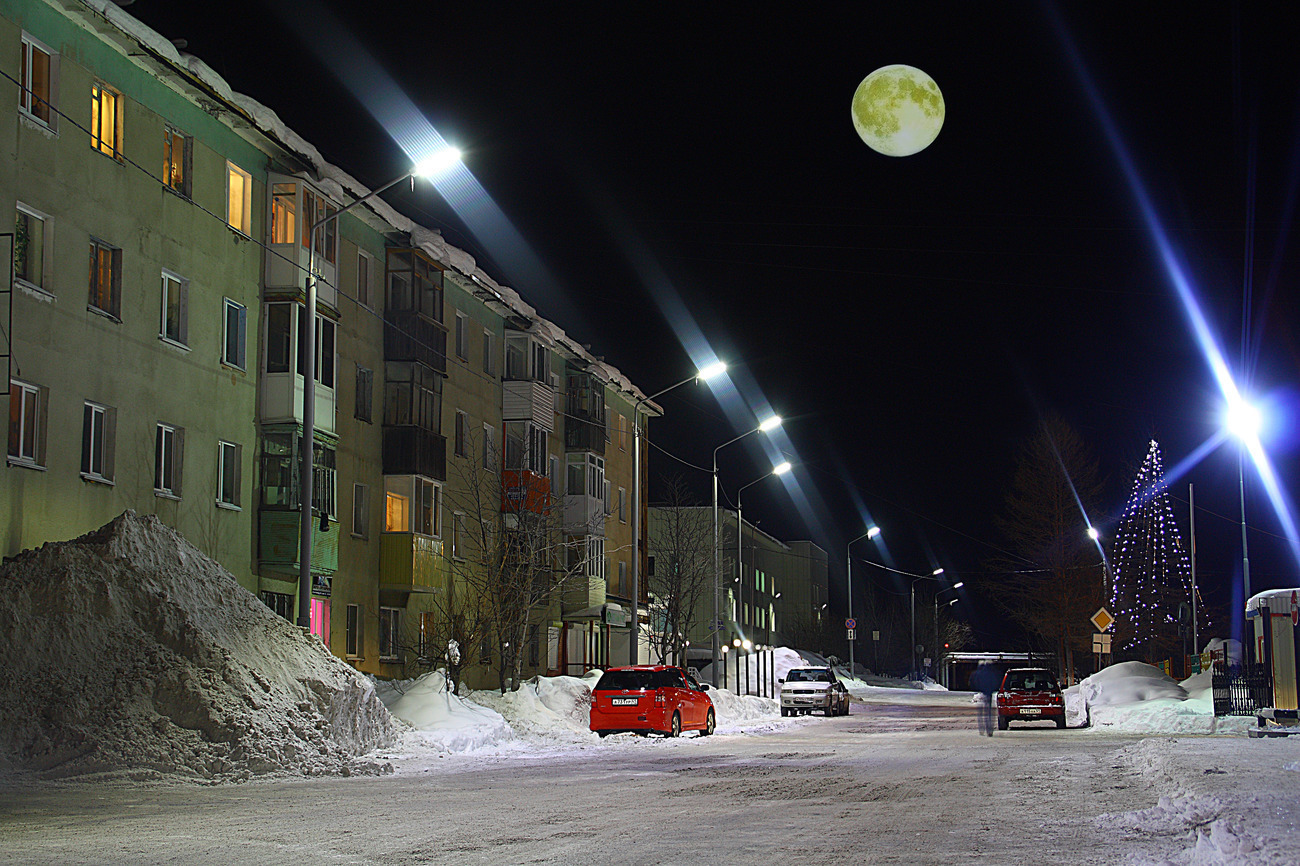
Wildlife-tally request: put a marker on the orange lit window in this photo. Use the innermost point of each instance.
(283, 211)
(106, 120)
(397, 513)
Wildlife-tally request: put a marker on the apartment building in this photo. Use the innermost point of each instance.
(161, 249)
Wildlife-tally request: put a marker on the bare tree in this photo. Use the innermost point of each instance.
(1054, 580)
(682, 538)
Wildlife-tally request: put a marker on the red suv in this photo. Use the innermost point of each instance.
(650, 698)
(1030, 695)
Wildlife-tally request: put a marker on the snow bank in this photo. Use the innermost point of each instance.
(129, 649)
(1138, 698)
(440, 719)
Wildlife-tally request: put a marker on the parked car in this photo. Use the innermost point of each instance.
(813, 688)
(1030, 695)
(648, 699)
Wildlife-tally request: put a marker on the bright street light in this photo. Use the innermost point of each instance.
(781, 468)
(1093, 533)
(770, 424)
(712, 371)
(1243, 421)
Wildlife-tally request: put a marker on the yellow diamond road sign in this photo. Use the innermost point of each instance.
(1102, 619)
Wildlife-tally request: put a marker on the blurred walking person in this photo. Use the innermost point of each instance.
(985, 681)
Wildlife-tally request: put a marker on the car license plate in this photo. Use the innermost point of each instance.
(623, 702)
(1029, 711)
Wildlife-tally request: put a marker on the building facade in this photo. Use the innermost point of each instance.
(161, 248)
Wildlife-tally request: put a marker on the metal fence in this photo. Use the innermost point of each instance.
(1241, 690)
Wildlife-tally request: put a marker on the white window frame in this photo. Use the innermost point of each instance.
(174, 283)
(462, 336)
(241, 334)
(27, 96)
(489, 352)
(364, 396)
(243, 221)
(489, 443)
(353, 631)
(106, 135)
(30, 420)
(47, 235)
(365, 273)
(360, 511)
(99, 422)
(390, 632)
(594, 563)
(168, 453)
(229, 456)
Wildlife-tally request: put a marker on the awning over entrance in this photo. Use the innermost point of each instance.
(609, 613)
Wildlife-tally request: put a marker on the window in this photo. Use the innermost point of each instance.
(365, 394)
(462, 433)
(105, 278)
(622, 588)
(30, 247)
(37, 70)
(177, 147)
(239, 199)
(324, 359)
(233, 338)
(318, 209)
(169, 446)
(106, 120)
(361, 510)
(175, 309)
(412, 504)
(27, 417)
(98, 432)
(526, 446)
(622, 433)
(279, 318)
(353, 643)
(622, 505)
(489, 352)
(462, 337)
(229, 473)
(458, 535)
(284, 208)
(390, 619)
(427, 520)
(323, 480)
(363, 278)
(279, 602)
(594, 566)
(596, 487)
(489, 446)
(534, 644)
(412, 396)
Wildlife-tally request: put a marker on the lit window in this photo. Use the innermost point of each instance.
(30, 252)
(229, 473)
(105, 278)
(174, 325)
(284, 204)
(397, 512)
(37, 73)
(98, 432)
(177, 147)
(239, 199)
(168, 450)
(27, 414)
(106, 120)
(318, 209)
(234, 331)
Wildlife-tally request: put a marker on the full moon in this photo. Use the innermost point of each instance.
(898, 110)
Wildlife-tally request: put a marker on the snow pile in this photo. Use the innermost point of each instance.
(442, 720)
(129, 649)
(1139, 698)
(546, 708)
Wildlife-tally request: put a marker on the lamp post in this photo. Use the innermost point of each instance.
(767, 426)
(711, 371)
(438, 162)
(779, 469)
(871, 532)
(958, 585)
(934, 575)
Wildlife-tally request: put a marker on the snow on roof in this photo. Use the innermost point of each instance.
(338, 184)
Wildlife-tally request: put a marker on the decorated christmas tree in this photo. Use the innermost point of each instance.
(1150, 569)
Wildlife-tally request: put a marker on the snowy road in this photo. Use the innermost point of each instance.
(888, 784)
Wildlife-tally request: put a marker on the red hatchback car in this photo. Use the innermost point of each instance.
(651, 699)
(1030, 695)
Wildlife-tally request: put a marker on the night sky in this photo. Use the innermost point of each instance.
(683, 169)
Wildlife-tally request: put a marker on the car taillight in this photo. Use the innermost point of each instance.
(659, 698)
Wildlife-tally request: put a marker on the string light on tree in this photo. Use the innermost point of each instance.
(1152, 573)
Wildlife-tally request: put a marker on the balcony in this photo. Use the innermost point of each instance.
(410, 336)
(584, 435)
(584, 515)
(409, 562)
(410, 450)
(582, 593)
(278, 546)
(528, 400)
(523, 490)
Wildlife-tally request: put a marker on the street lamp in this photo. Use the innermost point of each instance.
(1243, 421)
(934, 575)
(711, 371)
(779, 469)
(436, 163)
(765, 427)
(958, 585)
(871, 532)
